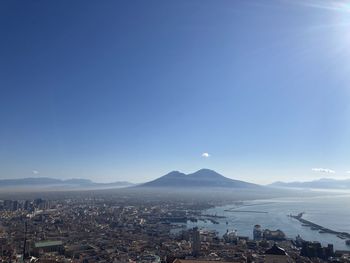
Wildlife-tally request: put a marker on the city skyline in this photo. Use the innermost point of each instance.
(122, 91)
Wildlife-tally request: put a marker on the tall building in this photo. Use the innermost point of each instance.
(26, 205)
(257, 232)
(14, 205)
(8, 205)
(196, 242)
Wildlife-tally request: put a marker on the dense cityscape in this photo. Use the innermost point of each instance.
(131, 227)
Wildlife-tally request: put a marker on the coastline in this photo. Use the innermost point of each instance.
(277, 217)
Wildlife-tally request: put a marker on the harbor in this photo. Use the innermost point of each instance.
(276, 218)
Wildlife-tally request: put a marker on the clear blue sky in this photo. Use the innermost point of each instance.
(129, 90)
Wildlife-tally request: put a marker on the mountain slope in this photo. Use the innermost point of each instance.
(201, 178)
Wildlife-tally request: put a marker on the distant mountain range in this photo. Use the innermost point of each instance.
(177, 180)
(202, 178)
(46, 182)
(324, 183)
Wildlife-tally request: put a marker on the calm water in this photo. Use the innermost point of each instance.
(329, 211)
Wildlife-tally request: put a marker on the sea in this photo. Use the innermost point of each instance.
(328, 210)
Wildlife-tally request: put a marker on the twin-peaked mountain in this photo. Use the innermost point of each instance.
(176, 180)
(202, 178)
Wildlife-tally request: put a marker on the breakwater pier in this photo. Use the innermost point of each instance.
(321, 229)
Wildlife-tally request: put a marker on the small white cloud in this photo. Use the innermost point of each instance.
(205, 155)
(35, 172)
(323, 170)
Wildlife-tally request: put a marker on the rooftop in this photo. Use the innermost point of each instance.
(48, 244)
(275, 250)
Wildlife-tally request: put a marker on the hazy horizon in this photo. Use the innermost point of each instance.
(119, 91)
(96, 180)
